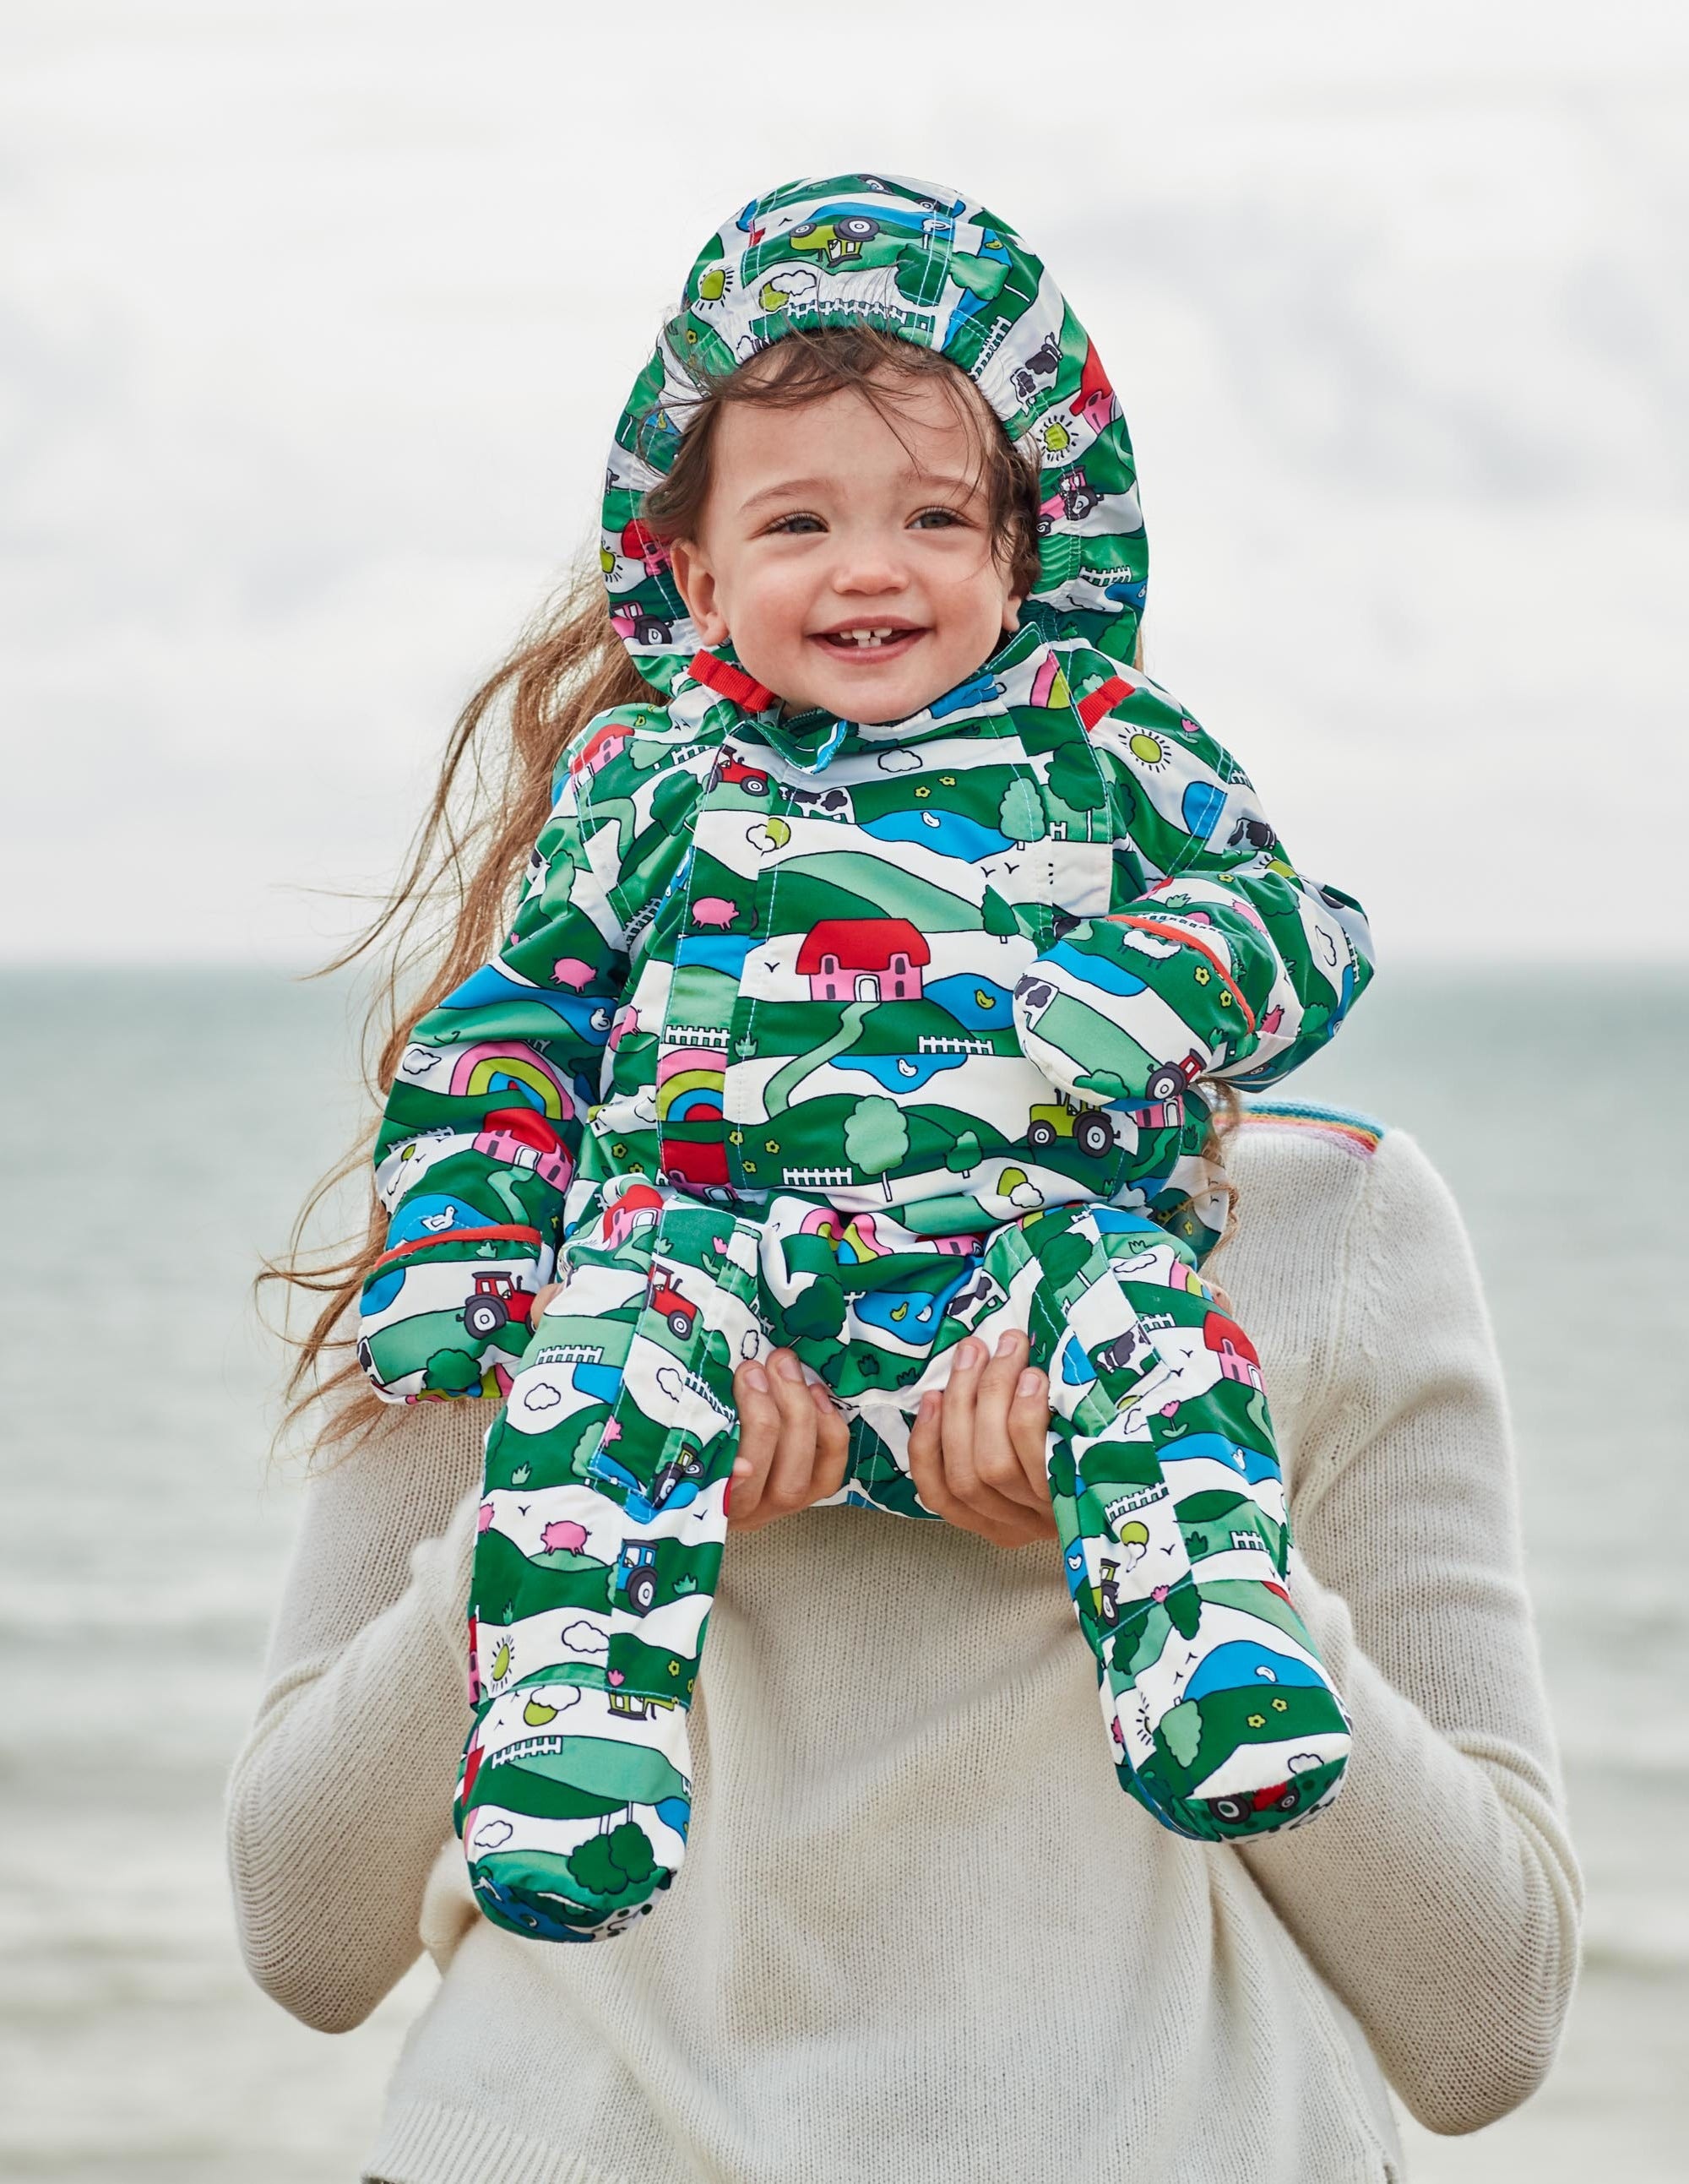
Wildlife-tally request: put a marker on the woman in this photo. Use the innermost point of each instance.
(922, 1937)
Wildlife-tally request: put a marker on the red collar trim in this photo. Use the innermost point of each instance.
(732, 681)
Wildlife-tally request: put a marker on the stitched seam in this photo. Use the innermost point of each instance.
(614, 892)
(1090, 748)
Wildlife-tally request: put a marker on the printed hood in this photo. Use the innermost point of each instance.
(917, 260)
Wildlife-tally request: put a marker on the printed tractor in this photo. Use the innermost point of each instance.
(496, 1301)
(677, 1482)
(668, 1302)
(1108, 1593)
(636, 1576)
(1282, 1797)
(734, 773)
(1174, 1079)
(1041, 364)
(643, 629)
(1072, 500)
(633, 1708)
(1089, 1128)
(839, 239)
(685, 1468)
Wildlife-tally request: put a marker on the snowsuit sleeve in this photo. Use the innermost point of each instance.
(1225, 963)
(482, 1128)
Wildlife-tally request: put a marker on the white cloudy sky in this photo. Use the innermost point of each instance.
(315, 319)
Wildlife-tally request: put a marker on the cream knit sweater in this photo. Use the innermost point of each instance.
(920, 1936)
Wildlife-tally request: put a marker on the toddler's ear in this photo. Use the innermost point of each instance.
(696, 583)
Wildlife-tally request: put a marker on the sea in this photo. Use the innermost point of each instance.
(156, 1132)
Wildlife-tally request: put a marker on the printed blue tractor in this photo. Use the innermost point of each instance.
(635, 1581)
(676, 1484)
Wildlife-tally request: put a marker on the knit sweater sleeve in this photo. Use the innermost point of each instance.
(340, 1798)
(1440, 1897)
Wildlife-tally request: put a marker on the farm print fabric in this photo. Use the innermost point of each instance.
(858, 1038)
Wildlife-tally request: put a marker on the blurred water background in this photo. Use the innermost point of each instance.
(157, 1131)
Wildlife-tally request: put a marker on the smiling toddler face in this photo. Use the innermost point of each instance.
(851, 572)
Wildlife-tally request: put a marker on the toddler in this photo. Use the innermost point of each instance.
(862, 999)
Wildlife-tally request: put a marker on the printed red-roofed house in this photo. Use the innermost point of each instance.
(639, 1207)
(599, 749)
(517, 1137)
(1233, 1349)
(863, 959)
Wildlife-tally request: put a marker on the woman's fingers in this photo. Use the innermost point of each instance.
(960, 1438)
(1028, 1431)
(927, 1459)
(759, 1418)
(832, 1446)
(999, 1461)
(541, 1297)
(794, 1444)
(794, 1464)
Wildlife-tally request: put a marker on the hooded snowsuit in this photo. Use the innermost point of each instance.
(861, 1039)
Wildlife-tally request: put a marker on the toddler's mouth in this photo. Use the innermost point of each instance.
(869, 641)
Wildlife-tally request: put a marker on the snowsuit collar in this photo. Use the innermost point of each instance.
(811, 739)
(915, 261)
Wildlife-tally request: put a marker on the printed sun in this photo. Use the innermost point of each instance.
(1150, 751)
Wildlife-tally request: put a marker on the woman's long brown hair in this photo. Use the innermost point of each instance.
(443, 920)
(449, 910)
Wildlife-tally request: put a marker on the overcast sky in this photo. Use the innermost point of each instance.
(315, 318)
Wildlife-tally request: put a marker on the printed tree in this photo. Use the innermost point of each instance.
(999, 917)
(452, 1372)
(965, 1153)
(876, 1138)
(817, 1310)
(613, 1864)
(1020, 814)
(1074, 778)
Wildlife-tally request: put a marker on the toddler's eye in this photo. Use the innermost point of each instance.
(948, 516)
(783, 524)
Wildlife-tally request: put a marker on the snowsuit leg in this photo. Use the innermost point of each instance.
(1170, 1509)
(601, 1536)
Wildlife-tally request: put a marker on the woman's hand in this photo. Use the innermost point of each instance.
(976, 1452)
(794, 1444)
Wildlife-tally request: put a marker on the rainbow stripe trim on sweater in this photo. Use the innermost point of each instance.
(1356, 1133)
